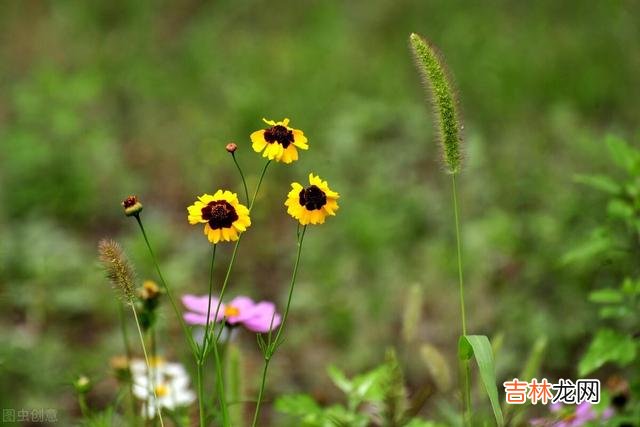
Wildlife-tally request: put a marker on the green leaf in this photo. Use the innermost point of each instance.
(606, 296)
(301, 406)
(480, 347)
(598, 242)
(340, 379)
(622, 153)
(599, 182)
(615, 312)
(617, 208)
(608, 346)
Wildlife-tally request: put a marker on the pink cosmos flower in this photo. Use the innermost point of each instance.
(583, 413)
(256, 317)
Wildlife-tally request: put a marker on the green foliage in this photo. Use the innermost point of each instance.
(616, 341)
(479, 347)
(432, 68)
(377, 397)
(608, 346)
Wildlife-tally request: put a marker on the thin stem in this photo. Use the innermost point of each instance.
(205, 343)
(153, 353)
(220, 386)
(146, 359)
(235, 248)
(466, 368)
(273, 345)
(244, 182)
(459, 249)
(285, 316)
(255, 193)
(207, 325)
(128, 353)
(261, 392)
(84, 408)
(185, 330)
(201, 393)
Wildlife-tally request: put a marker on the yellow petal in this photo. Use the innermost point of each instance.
(257, 141)
(299, 140)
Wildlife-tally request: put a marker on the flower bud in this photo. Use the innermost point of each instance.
(149, 291)
(120, 367)
(131, 206)
(231, 147)
(82, 384)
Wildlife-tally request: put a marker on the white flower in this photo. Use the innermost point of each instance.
(170, 382)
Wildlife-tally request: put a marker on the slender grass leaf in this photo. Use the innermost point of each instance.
(479, 347)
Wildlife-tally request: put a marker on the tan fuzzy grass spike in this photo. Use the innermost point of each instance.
(119, 271)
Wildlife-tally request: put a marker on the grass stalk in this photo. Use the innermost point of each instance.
(466, 367)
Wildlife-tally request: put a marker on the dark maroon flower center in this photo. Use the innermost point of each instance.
(279, 134)
(219, 214)
(312, 198)
(130, 201)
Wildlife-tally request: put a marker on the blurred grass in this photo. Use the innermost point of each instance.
(103, 99)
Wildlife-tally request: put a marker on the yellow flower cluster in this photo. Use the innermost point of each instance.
(225, 218)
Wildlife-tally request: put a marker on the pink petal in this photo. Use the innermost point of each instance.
(242, 303)
(262, 324)
(195, 318)
(199, 304)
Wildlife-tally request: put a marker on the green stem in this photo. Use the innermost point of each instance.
(466, 367)
(206, 342)
(127, 348)
(235, 248)
(153, 353)
(207, 326)
(220, 386)
(84, 408)
(261, 392)
(273, 345)
(201, 393)
(255, 193)
(146, 359)
(185, 330)
(244, 182)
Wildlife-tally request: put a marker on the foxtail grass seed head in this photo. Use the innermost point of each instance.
(433, 71)
(132, 206)
(231, 147)
(117, 267)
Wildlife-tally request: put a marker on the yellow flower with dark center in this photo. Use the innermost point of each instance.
(311, 205)
(223, 215)
(279, 142)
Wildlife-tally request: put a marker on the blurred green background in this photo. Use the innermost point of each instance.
(109, 98)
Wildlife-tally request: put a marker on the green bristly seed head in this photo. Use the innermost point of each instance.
(432, 69)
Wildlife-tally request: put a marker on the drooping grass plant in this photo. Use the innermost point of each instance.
(120, 273)
(441, 94)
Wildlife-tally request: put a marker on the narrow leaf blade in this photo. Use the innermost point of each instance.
(479, 347)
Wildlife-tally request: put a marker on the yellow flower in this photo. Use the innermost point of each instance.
(313, 204)
(223, 215)
(279, 142)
